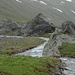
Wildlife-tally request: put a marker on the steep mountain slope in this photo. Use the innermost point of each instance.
(56, 11)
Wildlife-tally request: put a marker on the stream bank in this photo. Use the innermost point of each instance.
(37, 51)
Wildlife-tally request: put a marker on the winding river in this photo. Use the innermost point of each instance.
(37, 52)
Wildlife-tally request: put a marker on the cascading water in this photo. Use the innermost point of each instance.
(70, 65)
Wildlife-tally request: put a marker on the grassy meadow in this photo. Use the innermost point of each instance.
(67, 49)
(14, 45)
(24, 65)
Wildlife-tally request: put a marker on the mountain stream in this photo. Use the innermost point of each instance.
(37, 52)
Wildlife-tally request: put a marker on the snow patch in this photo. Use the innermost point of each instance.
(19, 1)
(58, 9)
(69, 0)
(73, 11)
(62, 3)
(43, 2)
(48, 18)
(34, 0)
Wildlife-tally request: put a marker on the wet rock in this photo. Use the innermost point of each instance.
(68, 27)
(59, 69)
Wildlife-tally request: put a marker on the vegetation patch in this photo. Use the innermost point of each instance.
(25, 65)
(14, 45)
(46, 35)
(67, 49)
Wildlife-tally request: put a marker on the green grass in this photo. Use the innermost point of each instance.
(22, 65)
(45, 35)
(67, 49)
(15, 45)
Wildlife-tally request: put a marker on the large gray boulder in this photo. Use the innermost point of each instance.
(38, 25)
(51, 48)
(56, 40)
(68, 28)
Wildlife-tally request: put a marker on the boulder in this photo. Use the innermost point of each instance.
(56, 40)
(51, 48)
(8, 27)
(68, 28)
(38, 25)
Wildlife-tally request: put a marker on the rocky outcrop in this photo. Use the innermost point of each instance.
(34, 27)
(51, 48)
(56, 40)
(38, 25)
(10, 28)
(68, 28)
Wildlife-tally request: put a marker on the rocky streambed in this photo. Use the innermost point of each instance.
(70, 65)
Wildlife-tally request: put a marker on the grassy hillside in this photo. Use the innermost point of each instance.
(28, 9)
(20, 65)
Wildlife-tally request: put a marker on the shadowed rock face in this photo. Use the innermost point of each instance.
(68, 27)
(39, 25)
